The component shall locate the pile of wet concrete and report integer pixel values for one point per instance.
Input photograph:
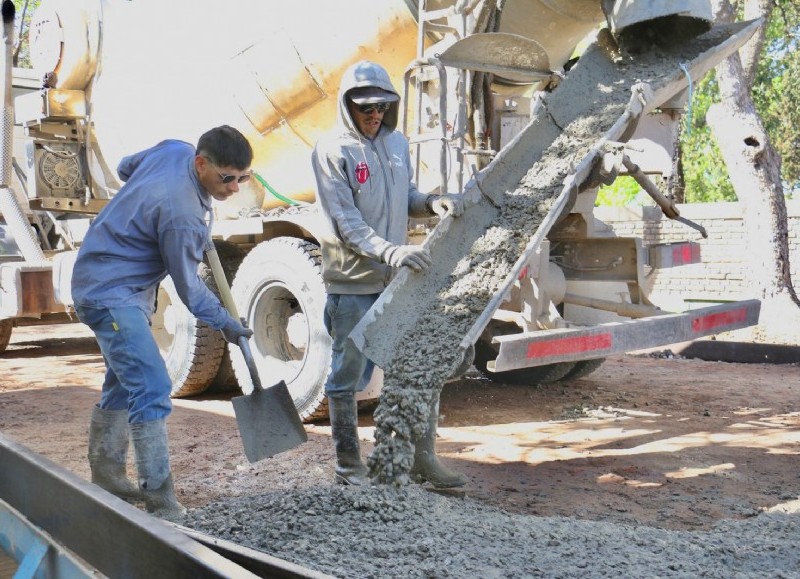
(433, 311)
(406, 531)
(383, 532)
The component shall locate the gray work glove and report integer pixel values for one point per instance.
(235, 329)
(441, 205)
(466, 363)
(413, 256)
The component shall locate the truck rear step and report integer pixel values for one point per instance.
(569, 345)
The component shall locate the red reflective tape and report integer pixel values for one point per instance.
(561, 346)
(682, 254)
(711, 321)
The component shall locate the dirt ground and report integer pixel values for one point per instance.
(664, 442)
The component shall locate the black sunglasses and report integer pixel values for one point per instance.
(367, 109)
(231, 178)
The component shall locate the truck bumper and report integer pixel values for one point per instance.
(574, 344)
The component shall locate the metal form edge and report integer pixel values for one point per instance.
(107, 533)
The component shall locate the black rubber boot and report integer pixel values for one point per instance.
(350, 470)
(427, 467)
(152, 461)
(108, 452)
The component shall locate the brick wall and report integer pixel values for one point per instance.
(721, 275)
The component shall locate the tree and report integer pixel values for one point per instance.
(24, 10)
(705, 177)
(776, 89)
(755, 170)
(701, 171)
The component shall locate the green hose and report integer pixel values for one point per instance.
(274, 193)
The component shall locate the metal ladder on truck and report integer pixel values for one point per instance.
(469, 54)
(431, 69)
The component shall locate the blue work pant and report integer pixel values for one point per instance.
(136, 375)
(351, 371)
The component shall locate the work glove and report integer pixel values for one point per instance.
(235, 329)
(414, 256)
(441, 205)
(604, 171)
(466, 363)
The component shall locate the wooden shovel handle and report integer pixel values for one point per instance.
(230, 305)
(220, 279)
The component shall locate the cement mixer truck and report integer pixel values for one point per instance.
(117, 76)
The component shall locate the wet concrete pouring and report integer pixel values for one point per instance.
(584, 107)
(651, 466)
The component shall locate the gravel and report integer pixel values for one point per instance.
(407, 531)
(470, 269)
(383, 531)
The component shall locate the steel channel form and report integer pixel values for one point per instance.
(110, 535)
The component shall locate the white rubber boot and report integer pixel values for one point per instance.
(108, 452)
(152, 461)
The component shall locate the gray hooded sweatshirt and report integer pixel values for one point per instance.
(365, 192)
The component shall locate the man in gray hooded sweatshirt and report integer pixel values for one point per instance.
(366, 194)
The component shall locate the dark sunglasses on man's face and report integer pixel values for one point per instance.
(231, 178)
(367, 109)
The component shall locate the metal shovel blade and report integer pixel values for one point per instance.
(268, 422)
(267, 418)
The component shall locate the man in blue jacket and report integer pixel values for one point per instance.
(366, 193)
(156, 225)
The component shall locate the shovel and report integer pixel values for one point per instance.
(267, 417)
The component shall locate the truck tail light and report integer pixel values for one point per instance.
(673, 254)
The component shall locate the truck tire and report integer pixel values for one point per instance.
(584, 368)
(279, 291)
(195, 353)
(6, 326)
(486, 352)
(191, 349)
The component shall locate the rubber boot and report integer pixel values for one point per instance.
(350, 470)
(152, 461)
(108, 452)
(427, 467)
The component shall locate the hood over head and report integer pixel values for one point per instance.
(371, 95)
(367, 83)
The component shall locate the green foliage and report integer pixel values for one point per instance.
(704, 172)
(623, 191)
(776, 94)
(777, 89)
(24, 9)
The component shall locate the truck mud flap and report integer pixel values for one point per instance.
(570, 345)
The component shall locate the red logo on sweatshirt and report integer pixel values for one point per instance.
(362, 172)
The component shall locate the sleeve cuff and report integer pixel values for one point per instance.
(387, 254)
(429, 204)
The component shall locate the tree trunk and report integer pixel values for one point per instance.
(751, 52)
(755, 171)
(676, 186)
